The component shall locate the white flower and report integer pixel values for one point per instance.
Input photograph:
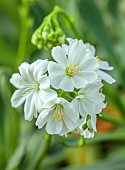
(74, 68)
(104, 66)
(87, 127)
(89, 100)
(33, 87)
(59, 117)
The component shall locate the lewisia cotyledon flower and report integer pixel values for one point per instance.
(74, 66)
(33, 87)
(89, 100)
(59, 117)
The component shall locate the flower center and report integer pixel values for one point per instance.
(72, 70)
(58, 112)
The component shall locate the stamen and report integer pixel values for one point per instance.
(31, 86)
(20, 81)
(58, 113)
(73, 69)
(98, 58)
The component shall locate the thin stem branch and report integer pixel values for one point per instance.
(24, 13)
(61, 11)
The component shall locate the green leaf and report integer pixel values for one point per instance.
(117, 135)
(93, 18)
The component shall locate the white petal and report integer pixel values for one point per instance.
(65, 47)
(55, 69)
(93, 122)
(90, 76)
(17, 81)
(44, 82)
(105, 77)
(81, 108)
(23, 69)
(100, 107)
(104, 65)
(78, 81)
(29, 108)
(64, 130)
(54, 126)
(91, 48)
(55, 81)
(38, 102)
(76, 52)
(89, 107)
(96, 97)
(40, 69)
(47, 94)
(90, 64)
(17, 99)
(59, 55)
(74, 116)
(75, 102)
(66, 84)
(42, 118)
(91, 88)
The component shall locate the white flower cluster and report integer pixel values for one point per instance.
(64, 95)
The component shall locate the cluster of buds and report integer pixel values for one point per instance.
(49, 33)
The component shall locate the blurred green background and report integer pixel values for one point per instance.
(100, 22)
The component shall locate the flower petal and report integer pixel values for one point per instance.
(78, 82)
(23, 69)
(55, 69)
(38, 102)
(60, 56)
(90, 64)
(66, 84)
(17, 81)
(17, 99)
(104, 65)
(42, 118)
(105, 77)
(29, 108)
(76, 52)
(40, 69)
(44, 82)
(54, 126)
(47, 94)
(90, 76)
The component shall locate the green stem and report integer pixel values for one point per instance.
(47, 142)
(24, 32)
(66, 95)
(61, 11)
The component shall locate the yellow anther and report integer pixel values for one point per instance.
(21, 92)
(100, 89)
(98, 58)
(70, 65)
(24, 92)
(31, 86)
(20, 81)
(75, 64)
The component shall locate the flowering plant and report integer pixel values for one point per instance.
(65, 94)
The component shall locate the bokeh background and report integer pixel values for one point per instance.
(100, 22)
